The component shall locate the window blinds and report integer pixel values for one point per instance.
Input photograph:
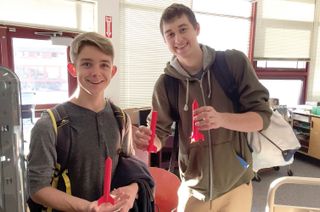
(284, 29)
(143, 53)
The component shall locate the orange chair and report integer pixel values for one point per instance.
(166, 188)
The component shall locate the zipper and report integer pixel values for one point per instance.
(210, 146)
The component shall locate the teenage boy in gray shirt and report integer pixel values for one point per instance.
(95, 136)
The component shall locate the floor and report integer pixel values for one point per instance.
(289, 194)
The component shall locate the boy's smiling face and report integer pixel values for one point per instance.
(181, 36)
(94, 70)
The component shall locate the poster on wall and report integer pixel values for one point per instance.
(108, 26)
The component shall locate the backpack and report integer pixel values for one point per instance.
(61, 124)
(268, 149)
(274, 146)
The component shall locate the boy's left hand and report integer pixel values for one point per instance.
(130, 190)
(207, 118)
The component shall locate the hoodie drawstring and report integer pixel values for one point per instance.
(186, 108)
(209, 84)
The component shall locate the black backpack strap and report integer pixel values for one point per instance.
(172, 90)
(60, 178)
(121, 118)
(225, 78)
(64, 143)
(174, 153)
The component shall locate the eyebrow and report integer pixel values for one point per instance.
(181, 25)
(85, 59)
(90, 60)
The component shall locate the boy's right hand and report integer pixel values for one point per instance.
(141, 137)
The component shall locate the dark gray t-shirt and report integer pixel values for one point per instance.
(94, 137)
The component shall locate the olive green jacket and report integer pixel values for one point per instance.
(211, 168)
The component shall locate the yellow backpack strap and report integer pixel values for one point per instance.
(53, 120)
(66, 180)
(55, 179)
(59, 119)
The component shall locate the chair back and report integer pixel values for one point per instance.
(166, 189)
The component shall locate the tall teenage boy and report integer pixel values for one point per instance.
(213, 178)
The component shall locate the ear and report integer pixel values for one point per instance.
(198, 29)
(114, 70)
(72, 70)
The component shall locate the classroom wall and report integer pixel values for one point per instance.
(111, 8)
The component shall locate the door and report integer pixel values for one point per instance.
(39, 67)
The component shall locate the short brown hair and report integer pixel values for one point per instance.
(90, 39)
(176, 11)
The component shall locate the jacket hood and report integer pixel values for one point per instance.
(175, 70)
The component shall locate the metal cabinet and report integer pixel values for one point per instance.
(12, 163)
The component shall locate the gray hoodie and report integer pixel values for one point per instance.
(211, 168)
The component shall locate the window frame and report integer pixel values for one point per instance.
(285, 74)
(274, 72)
(9, 32)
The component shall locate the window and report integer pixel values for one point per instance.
(284, 52)
(287, 91)
(42, 70)
(40, 64)
(284, 35)
(282, 64)
(285, 79)
(224, 24)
